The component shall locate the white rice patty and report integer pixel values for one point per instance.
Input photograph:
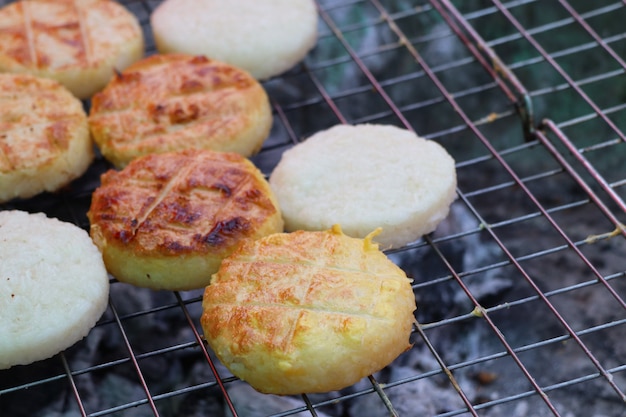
(53, 286)
(263, 37)
(363, 177)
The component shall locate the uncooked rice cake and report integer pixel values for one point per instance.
(53, 286)
(167, 220)
(307, 312)
(264, 37)
(44, 136)
(363, 177)
(171, 102)
(80, 43)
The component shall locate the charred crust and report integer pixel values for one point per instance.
(224, 230)
(200, 60)
(253, 194)
(175, 247)
(127, 77)
(107, 217)
(223, 188)
(191, 85)
(175, 114)
(124, 236)
(181, 214)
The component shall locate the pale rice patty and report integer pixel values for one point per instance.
(53, 286)
(264, 38)
(363, 177)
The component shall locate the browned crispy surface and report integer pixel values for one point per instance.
(171, 102)
(166, 221)
(179, 203)
(307, 311)
(37, 120)
(74, 41)
(44, 139)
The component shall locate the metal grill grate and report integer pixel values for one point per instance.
(529, 97)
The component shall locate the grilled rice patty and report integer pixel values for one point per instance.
(363, 177)
(80, 43)
(171, 102)
(167, 220)
(264, 38)
(307, 312)
(44, 136)
(53, 286)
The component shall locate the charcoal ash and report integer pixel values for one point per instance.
(457, 248)
(424, 388)
(150, 332)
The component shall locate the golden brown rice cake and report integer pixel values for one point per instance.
(306, 312)
(167, 220)
(44, 136)
(79, 43)
(166, 103)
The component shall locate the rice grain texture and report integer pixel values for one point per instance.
(53, 286)
(364, 177)
(264, 37)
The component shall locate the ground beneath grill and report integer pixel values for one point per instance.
(560, 361)
(416, 384)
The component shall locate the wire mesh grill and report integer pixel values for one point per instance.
(528, 97)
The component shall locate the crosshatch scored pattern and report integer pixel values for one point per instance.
(520, 292)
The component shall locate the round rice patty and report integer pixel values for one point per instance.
(171, 102)
(364, 177)
(53, 286)
(306, 312)
(264, 38)
(80, 43)
(167, 220)
(44, 136)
